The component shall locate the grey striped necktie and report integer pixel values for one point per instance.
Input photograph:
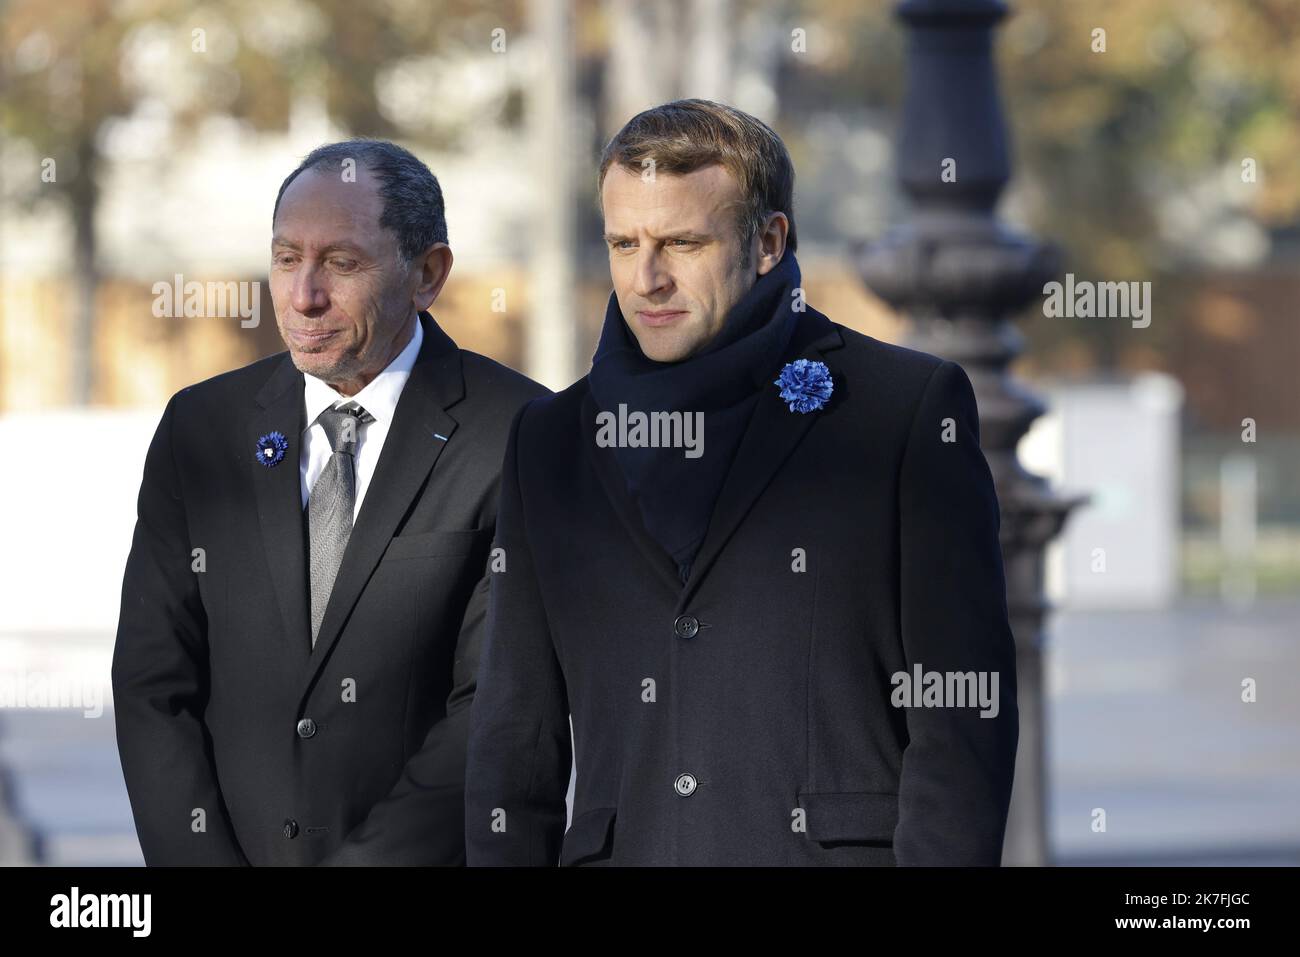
(329, 509)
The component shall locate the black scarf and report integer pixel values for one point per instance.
(676, 494)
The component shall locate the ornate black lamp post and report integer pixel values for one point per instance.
(959, 274)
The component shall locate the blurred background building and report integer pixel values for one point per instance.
(146, 139)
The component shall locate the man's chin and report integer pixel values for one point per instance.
(664, 345)
(322, 365)
(669, 350)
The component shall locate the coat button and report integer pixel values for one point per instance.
(684, 785)
(290, 828)
(687, 626)
(306, 728)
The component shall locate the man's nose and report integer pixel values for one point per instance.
(310, 293)
(651, 276)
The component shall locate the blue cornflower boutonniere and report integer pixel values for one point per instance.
(271, 449)
(805, 385)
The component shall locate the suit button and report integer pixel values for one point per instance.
(684, 785)
(290, 828)
(306, 728)
(687, 626)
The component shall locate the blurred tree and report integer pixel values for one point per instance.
(68, 69)
(1131, 158)
(60, 81)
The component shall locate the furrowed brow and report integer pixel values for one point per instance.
(343, 246)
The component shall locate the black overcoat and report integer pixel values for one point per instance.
(745, 717)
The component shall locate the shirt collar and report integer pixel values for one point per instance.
(380, 395)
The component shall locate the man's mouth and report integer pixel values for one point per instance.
(312, 337)
(660, 317)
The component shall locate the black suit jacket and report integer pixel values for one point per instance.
(745, 717)
(240, 744)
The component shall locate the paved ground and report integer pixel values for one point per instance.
(1146, 722)
(66, 787)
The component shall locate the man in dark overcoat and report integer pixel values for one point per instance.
(749, 580)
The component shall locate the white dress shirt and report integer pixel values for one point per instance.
(379, 398)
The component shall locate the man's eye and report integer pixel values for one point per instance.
(624, 244)
(284, 259)
(343, 265)
(681, 242)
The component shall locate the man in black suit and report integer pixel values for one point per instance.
(753, 555)
(304, 601)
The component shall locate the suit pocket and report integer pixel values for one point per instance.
(590, 838)
(437, 544)
(850, 816)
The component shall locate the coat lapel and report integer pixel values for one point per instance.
(611, 477)
(420, 431)
(279, 500)
(771, 436)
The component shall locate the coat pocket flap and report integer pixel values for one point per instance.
(588, 836)
(850, 815)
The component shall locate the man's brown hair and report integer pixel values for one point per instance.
(686, 135)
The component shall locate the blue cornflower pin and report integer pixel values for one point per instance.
(271, 448)
(805, 385)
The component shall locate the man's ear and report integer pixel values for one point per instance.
(435, 266)
(771, 242)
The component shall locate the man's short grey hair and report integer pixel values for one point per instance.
(413, 209)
